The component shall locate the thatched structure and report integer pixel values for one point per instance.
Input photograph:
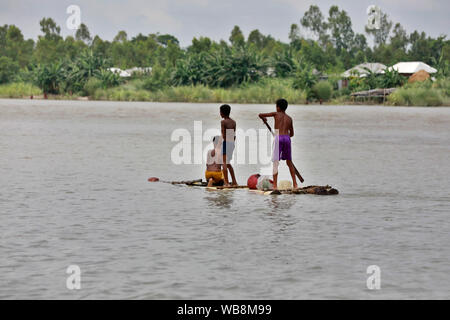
(419, 76)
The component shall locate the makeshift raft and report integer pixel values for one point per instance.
(315, 190)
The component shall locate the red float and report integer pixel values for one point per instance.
(253, 181)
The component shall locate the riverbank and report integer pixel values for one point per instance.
(425, 94)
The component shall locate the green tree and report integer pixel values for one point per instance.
(50, 46)
(294, 36)
(50, 30)
(399, 39)
(49, 77)
(83, 34)
(256, 39)
(313, 20)
(202, 44)
(305, 77)
(164, 39)
(14, 46)
(121, 37)
(237, 37)
(340, 25)
(8, 69)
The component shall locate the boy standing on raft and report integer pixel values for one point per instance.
(228, 129)
(284, 131)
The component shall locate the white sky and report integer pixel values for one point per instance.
(214, 18)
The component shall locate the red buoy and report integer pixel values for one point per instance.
(252, 182)
(153, 179)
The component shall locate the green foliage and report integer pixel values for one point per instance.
(358, 84)
(190, 71)
(304, 78)
(49, 77)
(323, 90)
(18, 90)
(425, 93)
(224, 69)
(442, 84)
(157, 80)
(416, 97)
(92, 85)
(267, 91)
(284, 64)
(443, 63)
(8, 69)
(102, 79)
(78, 64)
(107, 78)
(391, 79)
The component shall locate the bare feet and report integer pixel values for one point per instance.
(210, 182)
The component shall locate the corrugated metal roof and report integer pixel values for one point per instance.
(412, 67)
(360, 69)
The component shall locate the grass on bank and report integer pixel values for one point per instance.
(266, 91)
(425, 94)
(19, 90)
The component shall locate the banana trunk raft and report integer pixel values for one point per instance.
(316, 190)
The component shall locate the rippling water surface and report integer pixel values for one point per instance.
(74, 190)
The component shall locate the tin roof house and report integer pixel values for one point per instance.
(409, 68)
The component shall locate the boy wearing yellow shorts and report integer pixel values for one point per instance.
(214, 174)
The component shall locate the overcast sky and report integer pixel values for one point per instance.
(214, 18)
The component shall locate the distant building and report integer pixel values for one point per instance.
(120, 72)
(409, 68)
(139, 70)
(129, 72)
(360, 71)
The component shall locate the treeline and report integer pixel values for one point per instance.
(319, 43)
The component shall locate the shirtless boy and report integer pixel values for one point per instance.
(228, 128)
(284, 131)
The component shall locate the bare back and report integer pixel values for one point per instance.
(227, 125)
(283, 123)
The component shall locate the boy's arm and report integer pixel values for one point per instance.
(264, 116)
(291, 129)
(222, 129)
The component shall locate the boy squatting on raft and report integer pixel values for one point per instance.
(284, 131)
(214, 174)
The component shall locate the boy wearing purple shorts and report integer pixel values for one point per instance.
(284, 131)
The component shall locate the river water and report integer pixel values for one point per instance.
(74, 191)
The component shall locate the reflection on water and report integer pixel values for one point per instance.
(219, 199)
(281, 203)
(74, 191)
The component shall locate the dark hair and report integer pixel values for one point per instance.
(282, 104)
(225, 110)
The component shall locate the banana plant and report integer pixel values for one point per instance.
(49, 77)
